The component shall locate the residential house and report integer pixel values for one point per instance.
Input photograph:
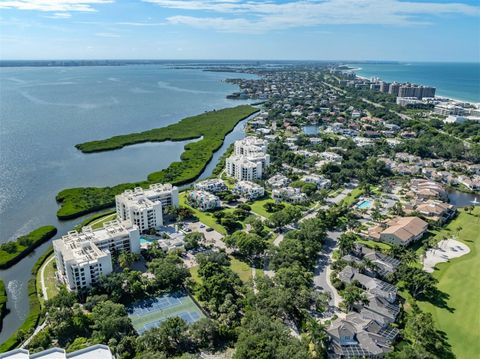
(399, 231)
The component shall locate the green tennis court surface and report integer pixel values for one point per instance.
(149, 313)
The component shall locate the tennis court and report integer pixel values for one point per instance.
(150, 313)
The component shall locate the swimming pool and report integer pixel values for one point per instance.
(365, 204)
(146, 240)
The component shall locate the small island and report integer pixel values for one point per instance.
(211, 127)
(13, 251)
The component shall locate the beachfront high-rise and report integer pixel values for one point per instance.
(82, 257)
(144, 208)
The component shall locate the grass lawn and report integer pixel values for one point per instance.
(375, 245)
(204, 217)
(459, 278)
(352, 197)
(257, 207)
(99, 222)
(243, 270)
(50, 281)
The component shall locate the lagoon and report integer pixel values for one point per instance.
(46, 111)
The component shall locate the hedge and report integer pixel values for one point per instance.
(3, 303)
(211, 127)
(35, 313)
(13, 251)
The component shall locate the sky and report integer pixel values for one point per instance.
(402, 30)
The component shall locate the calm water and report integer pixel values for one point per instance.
(44, 112)
(461, 199)
(455, 80)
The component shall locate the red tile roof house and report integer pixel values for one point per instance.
(399, 231)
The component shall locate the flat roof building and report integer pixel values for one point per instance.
(82, 257)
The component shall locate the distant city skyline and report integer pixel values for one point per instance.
(344, 30)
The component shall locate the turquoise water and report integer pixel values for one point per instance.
(366, 204)
(455, 80)
(144, 240)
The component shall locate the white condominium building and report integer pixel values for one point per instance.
(243, 169)
(144, 208)
(250, 159)
(320, 181)
(213, 185)
(289, 194)
(250, 146)
(249, 190)
(203, 200)
(83, 256)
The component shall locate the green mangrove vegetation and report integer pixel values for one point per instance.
(12, 252)
(35, 313)
(3, 303)
(211, 127)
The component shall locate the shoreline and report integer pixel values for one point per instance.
(454, 99)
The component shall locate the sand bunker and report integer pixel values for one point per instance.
(445, 250)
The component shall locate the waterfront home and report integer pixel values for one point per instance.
(248, 190)
(213, 185)
(399, 231)
(472, 183)
(425, 189)
(203, 200)
(435, 211)
(82, 257)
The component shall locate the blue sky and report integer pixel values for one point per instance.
(405, 30)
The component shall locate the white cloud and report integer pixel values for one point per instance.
(261, 16)
(107, 34)
(52, 5)
(59, 15)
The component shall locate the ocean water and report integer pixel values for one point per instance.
(454, 80)
(45, 111)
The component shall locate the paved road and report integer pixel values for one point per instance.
(322, 270)
(42, 277)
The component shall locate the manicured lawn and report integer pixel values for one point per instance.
(50, 281)
(257, 207)
(352, 197)
(375, 245)
(459, 279)
(99, 222)
(204, 217)
(243, 270)
(194, 273)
